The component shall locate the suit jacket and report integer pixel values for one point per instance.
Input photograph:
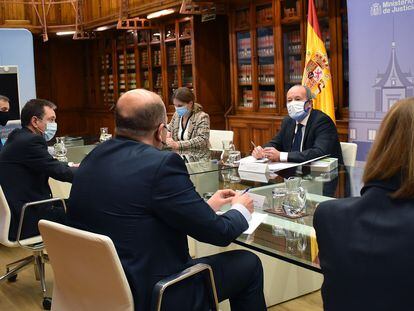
(198, 130)
(25, 168)
(320, 138)
(365, 250)
(143, 199)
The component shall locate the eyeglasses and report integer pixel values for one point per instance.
(166, 127)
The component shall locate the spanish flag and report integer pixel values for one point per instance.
(317, 75)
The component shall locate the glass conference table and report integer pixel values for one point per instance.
(290, 239)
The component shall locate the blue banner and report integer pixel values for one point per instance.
(381, 64)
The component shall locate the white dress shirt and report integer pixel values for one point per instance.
(284, 155)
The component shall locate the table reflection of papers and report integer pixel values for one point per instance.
(264, 178)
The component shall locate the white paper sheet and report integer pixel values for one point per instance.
(278, 166)
(257, 219)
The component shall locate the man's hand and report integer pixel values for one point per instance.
(258, 152)
(272, 154)
(220, 198)
(244, 200)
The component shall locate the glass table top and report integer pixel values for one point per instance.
(289, 239)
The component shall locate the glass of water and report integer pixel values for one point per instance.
(278, 197)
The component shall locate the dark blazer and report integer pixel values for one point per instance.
(143, 199)
(320, 138)
(25, 168)
(366, 250)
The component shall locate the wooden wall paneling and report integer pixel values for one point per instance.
(67, 13)
(14, 11)
(210, 68)
(61, 78)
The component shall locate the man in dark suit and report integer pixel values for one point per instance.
(26, 165)
(306, 134)
(143, 199)
(4, 113)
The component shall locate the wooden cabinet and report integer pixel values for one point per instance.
(173, 53)
(267, 51)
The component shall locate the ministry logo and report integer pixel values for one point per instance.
(376, 9)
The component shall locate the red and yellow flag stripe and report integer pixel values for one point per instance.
(317, 74)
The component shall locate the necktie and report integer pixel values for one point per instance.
(298, 138)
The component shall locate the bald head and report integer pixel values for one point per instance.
(299, 92)
(138, 112)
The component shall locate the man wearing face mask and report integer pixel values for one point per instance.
(4, 112)
(306, 134)
(26, 165)
(143, 199)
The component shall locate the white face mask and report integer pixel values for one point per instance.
(296, 110)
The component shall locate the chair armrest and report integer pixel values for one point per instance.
(19, 229)
(162, 285)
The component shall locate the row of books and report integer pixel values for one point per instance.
(267, 99)
(295, 48)
(295, 70)
(247, 98)
(144, 58)
(266, 74)
(245, 73)
(157, 58)
(186, 54)
(172, 55)
(244, 49)
(158, 81)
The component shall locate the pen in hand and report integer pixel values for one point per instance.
(254, 146)
(245, 191)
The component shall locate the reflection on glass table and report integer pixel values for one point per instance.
(281, 235)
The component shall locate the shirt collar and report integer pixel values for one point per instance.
(305, 120)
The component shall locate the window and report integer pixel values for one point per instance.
(372, 134)
(352, 133)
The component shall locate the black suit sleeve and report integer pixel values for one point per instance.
(41, 161)
(277, 141)
(176, 202)
(325, 136)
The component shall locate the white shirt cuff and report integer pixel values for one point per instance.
(284, 156)
(243, 210)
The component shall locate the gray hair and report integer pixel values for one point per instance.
(6, 99)
(309, 94)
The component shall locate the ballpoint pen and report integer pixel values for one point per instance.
(245, 190)
(253, 144)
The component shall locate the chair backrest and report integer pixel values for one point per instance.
(60, 189)
(349, 152)
(5, 217)
(87, 271)
(217, 136)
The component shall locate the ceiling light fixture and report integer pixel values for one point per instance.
(65, 33)
(160, 13)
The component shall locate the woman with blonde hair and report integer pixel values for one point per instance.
(189, 126)
(366, 247)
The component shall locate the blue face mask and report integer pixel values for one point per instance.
(50, 131)
(181, 111)
(296, 110)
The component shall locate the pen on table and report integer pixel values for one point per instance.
(245, 190)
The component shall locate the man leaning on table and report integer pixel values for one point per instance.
(305, 134)
(143, 199)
